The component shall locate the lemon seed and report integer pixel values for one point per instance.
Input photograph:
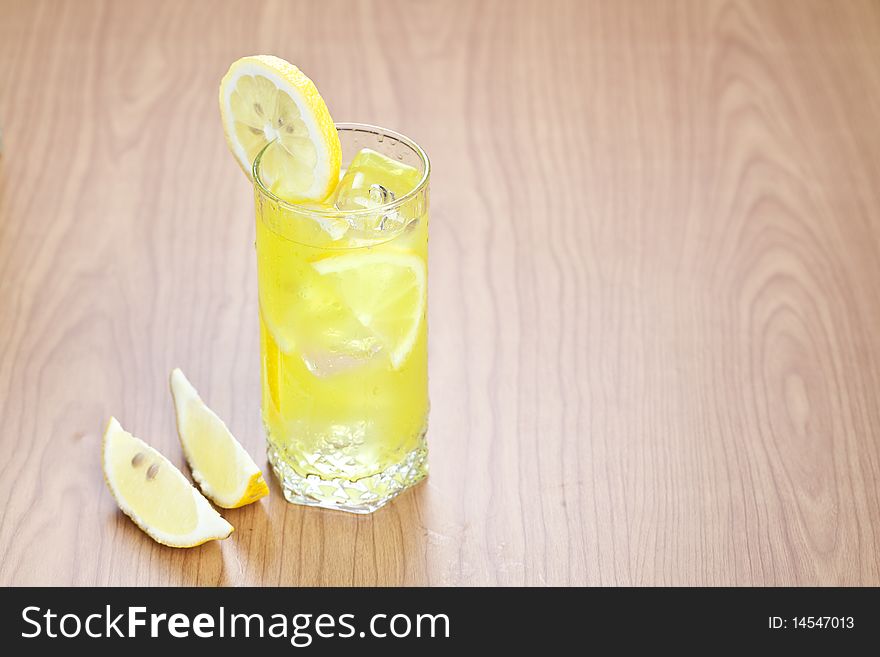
(137, 459)
(153, 471)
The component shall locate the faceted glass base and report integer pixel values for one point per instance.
(362, 496)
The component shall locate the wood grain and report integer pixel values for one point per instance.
(655, 255)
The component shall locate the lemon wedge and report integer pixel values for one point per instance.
(264, 99)
(155, 494)
(386, 292)
(223, 469)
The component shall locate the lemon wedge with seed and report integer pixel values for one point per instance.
(155, 494)
(265, 99)
(223, 469)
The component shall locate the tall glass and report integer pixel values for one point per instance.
(343, 334)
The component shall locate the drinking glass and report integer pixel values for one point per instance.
(343, 333)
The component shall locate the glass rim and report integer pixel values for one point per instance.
(363, 127)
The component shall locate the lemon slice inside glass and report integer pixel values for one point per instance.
(386, 291)
(223, 469)
(155, 494)
(265, 99)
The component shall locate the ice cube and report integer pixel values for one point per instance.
(324, 363)
(335, 226)
(373, 180)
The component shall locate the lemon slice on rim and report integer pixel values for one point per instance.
(223, 469)
(155, 494)
(386, 291)
(265, 99)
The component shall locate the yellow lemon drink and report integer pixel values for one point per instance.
(343, 323)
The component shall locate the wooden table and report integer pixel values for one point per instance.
(655, 286)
